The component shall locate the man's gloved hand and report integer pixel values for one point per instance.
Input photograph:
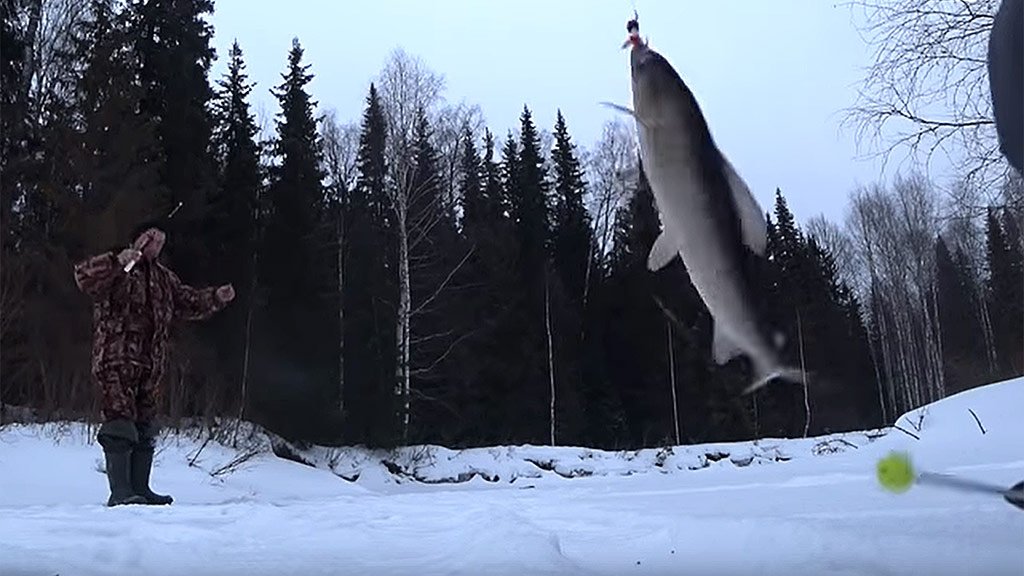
(226, 293)
(128, 255)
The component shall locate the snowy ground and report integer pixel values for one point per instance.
(781, 507)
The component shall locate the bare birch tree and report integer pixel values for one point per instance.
(51, 28)
(927, 89)
(341, 148)
(450, 124)
(611, 170)
(892, 233)
(407, 88)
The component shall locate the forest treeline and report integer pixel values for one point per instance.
(411, 276)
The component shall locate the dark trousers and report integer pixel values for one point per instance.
(129, 397)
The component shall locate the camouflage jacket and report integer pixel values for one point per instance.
(132, 312)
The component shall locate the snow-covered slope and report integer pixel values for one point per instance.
(768, 507)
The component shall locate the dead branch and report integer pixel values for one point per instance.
(444, 283)
(907, 432)
(976, 419)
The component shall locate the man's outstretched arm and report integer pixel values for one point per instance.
(195, 303)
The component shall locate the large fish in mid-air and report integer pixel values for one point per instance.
(708, 214)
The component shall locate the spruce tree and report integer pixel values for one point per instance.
(572, 286)
(488, 361)
(572, 234)
(172, 39)
(293, 258)
(370, 295)
(472, 191)
(111, 155)
(962, 350)
(13, 110)
(530, 207)
(234, 208)
(1004, 294)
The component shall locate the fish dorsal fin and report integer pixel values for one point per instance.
(752, 223)
(664, 250)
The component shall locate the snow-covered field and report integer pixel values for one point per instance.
(783, 507)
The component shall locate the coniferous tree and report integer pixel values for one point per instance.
(295, 258)
(172, 40)
(13, 111)
(962, 350)
(1004, 295)
(532, 224)
(818, 316)
(114, 156)
(572, 234)
(632, 319)
(530, 208)
(234, 210)
(573, 258)
(472, 191)
(781, 410)
(370, 303)
(487, 362)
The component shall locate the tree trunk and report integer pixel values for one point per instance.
(757, 426)
(551, 357)
(672, 378)
(986, 327)
(340, 233)
(803, 368)
(937, 351)
(402, 333)
(248, 340)
(35, 17)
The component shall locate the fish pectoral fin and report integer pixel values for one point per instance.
(753, 225)
(663, 251)
(722, 347)
(624, 110)
(620, 108)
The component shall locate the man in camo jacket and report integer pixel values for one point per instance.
(135, 299)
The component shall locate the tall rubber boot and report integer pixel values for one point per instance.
(142, 464)
(117, 438)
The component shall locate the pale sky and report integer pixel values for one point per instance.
(772, 77)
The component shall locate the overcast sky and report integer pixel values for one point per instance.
(771, 77)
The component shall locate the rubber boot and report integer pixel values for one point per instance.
(142, 464)
(118, 475)
(117, 438)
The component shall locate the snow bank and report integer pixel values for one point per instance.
(509, 464)
(966, 430)
(969, 428)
